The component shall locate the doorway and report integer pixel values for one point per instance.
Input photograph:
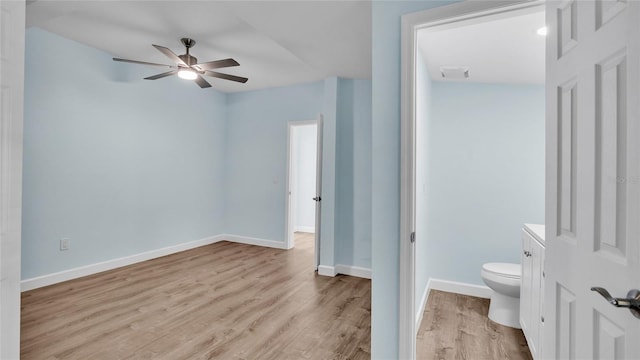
(303, 174)
(439, 19)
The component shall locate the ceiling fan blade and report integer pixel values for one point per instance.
(165, 74)
(226, 76)
(218, 64)
(140, 62)
(171, 55)
(202, 82)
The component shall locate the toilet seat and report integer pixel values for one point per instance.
(505, 270)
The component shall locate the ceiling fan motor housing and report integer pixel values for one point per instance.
(188, 59)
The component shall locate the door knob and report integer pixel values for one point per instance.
(631, 302)
(317, 198)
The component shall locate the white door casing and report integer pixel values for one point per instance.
(12, 32)
(291, 184)
(592, 179)
(292, 193)
(436, 18)
(290, 206)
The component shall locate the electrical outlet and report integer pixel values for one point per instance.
(64, 244)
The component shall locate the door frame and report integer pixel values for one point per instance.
(12, 39)
(290, 183)
(440, 17)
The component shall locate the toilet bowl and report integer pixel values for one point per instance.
(504, 280)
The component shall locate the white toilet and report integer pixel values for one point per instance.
(504, 280)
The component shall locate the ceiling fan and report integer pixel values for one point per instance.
(187, 67)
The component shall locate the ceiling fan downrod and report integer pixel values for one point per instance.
(187, 58)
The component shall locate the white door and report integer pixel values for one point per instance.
(12, 24)
(318, 197)
(593, 178)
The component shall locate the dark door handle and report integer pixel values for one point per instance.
(317, 198)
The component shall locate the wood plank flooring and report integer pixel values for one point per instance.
(457, 327)
(221, 301)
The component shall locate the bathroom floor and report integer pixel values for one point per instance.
(457, 327)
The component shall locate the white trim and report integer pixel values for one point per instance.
(254, 241)
(326, 270)
(406, 297)
(356, 271)
(86, 270)
(422, 304)
(411, 23)
(12, 57)
(70, 274)
(460, 288)
(305, 229)
(452, 287)
(289, 191)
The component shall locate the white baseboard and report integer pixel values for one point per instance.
(305, 229)
(353, 271)
(254, 241)
(460, 288)
(54, 278)
(326, 270)
(422, 304)
(357, 271)
(452, 287)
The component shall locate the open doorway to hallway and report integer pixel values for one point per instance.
(303, 175)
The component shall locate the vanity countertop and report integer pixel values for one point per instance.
(536, 230)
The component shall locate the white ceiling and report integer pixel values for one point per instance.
(277, 43)
(502, 50)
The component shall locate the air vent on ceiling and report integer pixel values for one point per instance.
(454, 72)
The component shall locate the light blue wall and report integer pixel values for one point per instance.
(344, 166)
(362, 173)
(255, 168)
(385, 190)
(256, 148)
(353, 164)
(485, 174)
(119, 167)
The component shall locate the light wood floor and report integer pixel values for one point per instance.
(222, 301)
(457, 327)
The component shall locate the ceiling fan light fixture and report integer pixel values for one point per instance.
(187, 74)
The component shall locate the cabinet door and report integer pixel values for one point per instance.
(536, 296)
(541, 304)
(525, 284)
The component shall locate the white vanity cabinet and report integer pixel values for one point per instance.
(532, 286)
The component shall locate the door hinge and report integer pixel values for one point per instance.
(413, 237)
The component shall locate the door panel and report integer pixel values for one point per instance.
(611, 149)
(320, 126)
(593, 178)
(12, 25)
(567, 120)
